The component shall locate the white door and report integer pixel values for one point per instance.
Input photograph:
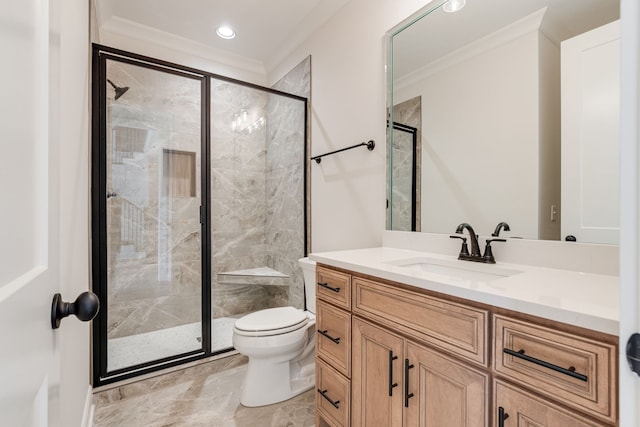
(629, 391)
(29, 263)
(590, 134)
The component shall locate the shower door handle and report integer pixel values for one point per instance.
(85, 308)
(111, 194)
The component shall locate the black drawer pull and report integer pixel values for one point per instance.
(571, 371)
(407, 395)
(325, 334)
(391, 383)
(502, 416)
(335, 404)
(326, 286)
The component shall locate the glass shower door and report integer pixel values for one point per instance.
(152, 165)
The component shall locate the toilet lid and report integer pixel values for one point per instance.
(272, 321)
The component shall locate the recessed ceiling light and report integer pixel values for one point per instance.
(225, 32)
(453, 5)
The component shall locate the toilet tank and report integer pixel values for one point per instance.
(309, 273)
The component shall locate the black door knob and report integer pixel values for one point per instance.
(633, 353)
(85, 308)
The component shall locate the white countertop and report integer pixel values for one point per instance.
(582, 299)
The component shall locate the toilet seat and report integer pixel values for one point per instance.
(272, 321)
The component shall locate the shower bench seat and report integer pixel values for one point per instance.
(257, 276)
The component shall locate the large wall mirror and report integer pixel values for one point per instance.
(514, 106)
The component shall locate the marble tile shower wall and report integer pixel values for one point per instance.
(153, 239)
(257, 186)
(238, 200)
(258, 193)
(285, 178)
(408, 113)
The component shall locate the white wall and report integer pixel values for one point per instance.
(348, 107)
(483, 127)
(74, 206)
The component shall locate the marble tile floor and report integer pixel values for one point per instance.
(206, 395)
(134, 349)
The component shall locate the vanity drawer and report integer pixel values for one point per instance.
(577, 371)
(334, 287)
(333, 340)
(453, 327)
(333, 395)
(523, 408)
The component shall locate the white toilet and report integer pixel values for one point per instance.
(280, 344)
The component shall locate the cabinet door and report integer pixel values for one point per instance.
(445, 392)
(518, 408)
(376, 380)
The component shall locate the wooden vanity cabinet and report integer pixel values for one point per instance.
(333, 348)
(571, 368)
(418, 358)
(398, 382)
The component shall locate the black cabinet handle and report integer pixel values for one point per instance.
(570, 372)
(502, 416)
(326, 286)
(323, 393)
(407, 395)
(325, 334)
(85, 308)
(391, 383)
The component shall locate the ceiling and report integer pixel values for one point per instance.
(264, 28)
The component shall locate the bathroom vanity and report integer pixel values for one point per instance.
(410, 338)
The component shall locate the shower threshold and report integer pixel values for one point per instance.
(140, 348)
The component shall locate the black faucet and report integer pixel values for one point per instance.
(475, 248)
(501, 226)
(488, 253)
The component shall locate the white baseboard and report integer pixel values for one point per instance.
(87, 414)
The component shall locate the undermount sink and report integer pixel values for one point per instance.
(456, 269)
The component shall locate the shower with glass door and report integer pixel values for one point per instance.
(198, 209)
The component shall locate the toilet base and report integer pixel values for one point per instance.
(268, 383)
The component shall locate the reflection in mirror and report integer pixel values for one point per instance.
(403, 214)
(518, 106)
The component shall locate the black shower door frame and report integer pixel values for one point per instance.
(100, 55)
